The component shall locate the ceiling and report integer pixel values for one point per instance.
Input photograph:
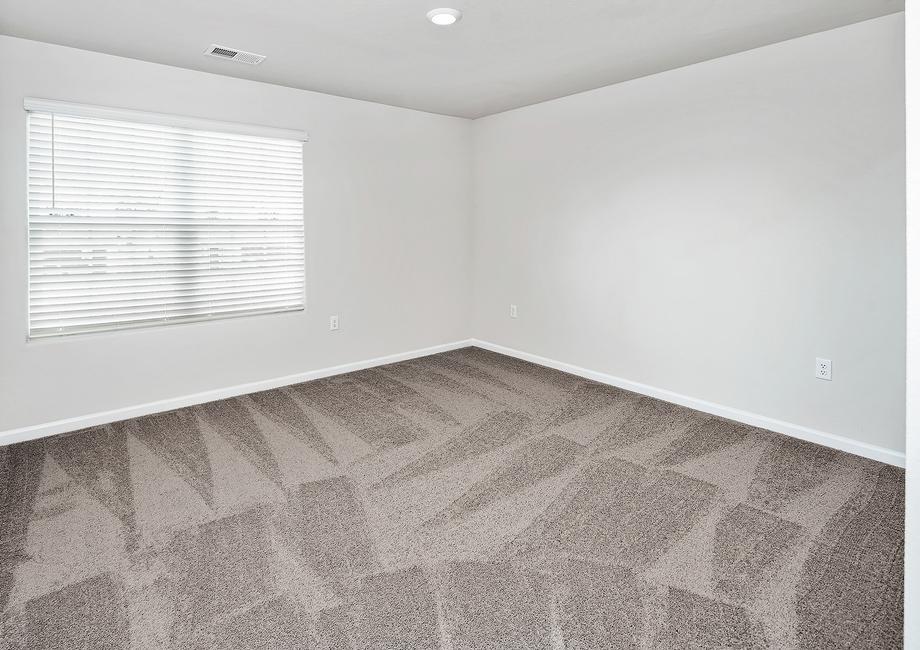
(503, 54)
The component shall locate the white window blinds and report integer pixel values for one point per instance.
(135, 223)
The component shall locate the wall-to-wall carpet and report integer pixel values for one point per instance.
(462, 500)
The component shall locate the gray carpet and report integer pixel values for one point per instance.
(463, 500)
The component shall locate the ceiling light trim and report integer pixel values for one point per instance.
(444, 16)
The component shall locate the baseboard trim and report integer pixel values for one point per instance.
(104, 417)
(842, 443)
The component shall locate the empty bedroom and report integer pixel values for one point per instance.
(341, 324)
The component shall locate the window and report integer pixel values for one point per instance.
(138, 219)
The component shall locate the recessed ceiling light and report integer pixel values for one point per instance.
(444, 16)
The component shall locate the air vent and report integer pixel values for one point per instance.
(222, 52)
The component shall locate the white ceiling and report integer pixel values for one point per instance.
(503, 53)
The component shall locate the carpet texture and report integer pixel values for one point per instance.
(462, 500)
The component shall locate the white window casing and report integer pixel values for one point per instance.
(138, 219)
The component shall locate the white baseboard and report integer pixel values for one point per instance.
(882, 454)
(94, 419)
(867, 450)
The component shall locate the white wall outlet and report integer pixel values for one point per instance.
(513, 311)
(824, 369)
(334, 323)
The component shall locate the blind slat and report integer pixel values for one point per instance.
(158, 314)
(155, 278)
(187, 299)
(134, 224)
(46, 297)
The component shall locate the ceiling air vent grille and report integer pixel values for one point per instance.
(222, 52)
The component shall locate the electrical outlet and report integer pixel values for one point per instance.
(513, 311)
(334, 323)
(824, 369)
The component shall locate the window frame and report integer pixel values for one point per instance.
(69, 109)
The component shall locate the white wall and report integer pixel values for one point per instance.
(708, 231)
(387, 222)
(912, 527)
(712, 229)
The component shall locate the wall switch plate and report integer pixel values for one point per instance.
(513, 311)
(824, 369)
(334, 323)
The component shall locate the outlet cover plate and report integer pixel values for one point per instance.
(824, 369)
